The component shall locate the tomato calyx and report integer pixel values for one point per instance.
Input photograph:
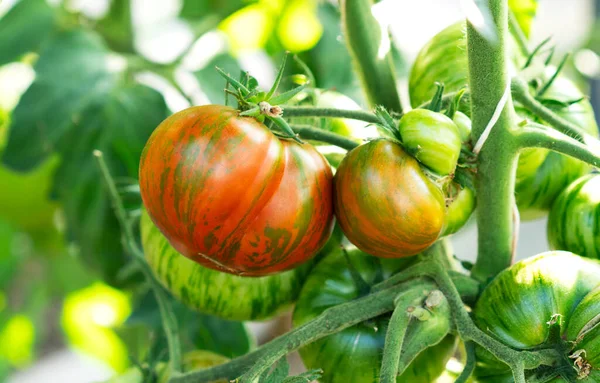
(260, 105)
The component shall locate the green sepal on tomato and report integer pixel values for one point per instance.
(574, 220)
(355, 354)
(517, 306)
(230, 195)
(384, 202)
(217, 293)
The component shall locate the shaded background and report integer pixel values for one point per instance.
(58, 321)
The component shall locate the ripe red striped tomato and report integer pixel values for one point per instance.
(384, 202)
(228, 194)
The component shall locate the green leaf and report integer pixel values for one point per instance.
(198, 331)
(524, 11)
(116, 26)
(198, 9)
(81, 100)
(9, 256)
(24, 28)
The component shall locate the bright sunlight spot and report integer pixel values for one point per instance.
(17, 339)
(299, 28)
(89, 315)
(249, 28)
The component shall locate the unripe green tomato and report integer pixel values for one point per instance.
(432, 138)
(574, 219)
(355, 354)
(517, 305)
(459, 211)
(463, 122)
(443, 59)
(236, 298)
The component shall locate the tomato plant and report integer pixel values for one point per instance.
(236, 198)
(261, 224)
(239, 298)
(390, 226)
(574, 218)
(354, 354)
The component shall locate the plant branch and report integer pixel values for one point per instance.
(469, 364)
(310, 133)
(307, 111)
(396, 332)
(540, 136)
(521, 94)
(169, 320)
(332, 320)
(497, 160)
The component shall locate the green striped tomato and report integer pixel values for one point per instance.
(354, 354)
(213, 292)
(230, 195)
(384, 203)
(574, 221)
(432, 138)
(517, 305)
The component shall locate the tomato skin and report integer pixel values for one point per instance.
(584, 329)
(236, 298)
(574, 220)
(384, 203)
(355, 354)
(442, 59)
(527, 295)
(230, 195)
(463, 122)
(459, 211)
(432, 138)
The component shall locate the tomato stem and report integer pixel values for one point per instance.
(394, 337)
(371, 49)
(521, 94)
(308, 111)
(169, 321)
(540, 136)
(497, 160)
(465, 376)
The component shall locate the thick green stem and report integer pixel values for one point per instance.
(310, 133)
(540, 136)
(497, 160)
(370, 46)
(309, 111)
(169, 321)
